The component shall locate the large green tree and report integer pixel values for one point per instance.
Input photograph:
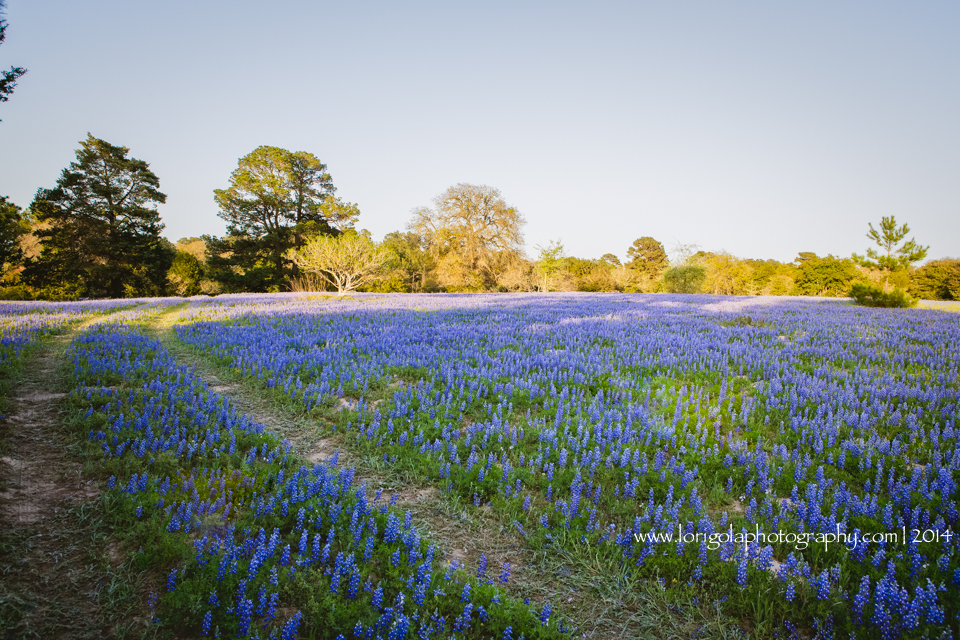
(102, 235)
(275, 200)
(826, 276)
(185, 274)
(647, 256)
(549, 262)
(8, 79)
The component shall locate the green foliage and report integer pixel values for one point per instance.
(684, 279)
(771, 276)
(185, 274)
(893, 256)
(610, 260)
(12, 228)
(408, 262)
(647, 256)
(276, 200)
(102, 229)
(936, 280)
(868, 296)
(194, 246)
(473, 234)
(827, 276)
(727, 274)
(549, 263)
(8, 79)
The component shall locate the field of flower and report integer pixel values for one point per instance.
(792, 462)
(795, 459)
(23, 323)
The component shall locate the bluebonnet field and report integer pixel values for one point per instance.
(23, 323)
(253, 543)
(614, 421)
(595, 424)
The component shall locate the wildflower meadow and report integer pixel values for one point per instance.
(790, 463)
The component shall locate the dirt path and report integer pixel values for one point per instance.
(55, 581)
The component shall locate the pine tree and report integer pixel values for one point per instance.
(103, 238)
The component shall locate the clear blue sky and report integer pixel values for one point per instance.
(762, 128)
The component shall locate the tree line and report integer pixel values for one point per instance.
(97, 233)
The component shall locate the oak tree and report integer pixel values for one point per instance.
(276, 199)
(474, 228)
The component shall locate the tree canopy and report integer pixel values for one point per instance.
(936, 280)
(647, 256)
(549, 263)
(826, 276)
(100, 229)
(185, 274)
(686, 278)
(893, 256)
(473, 232)
(275, 200)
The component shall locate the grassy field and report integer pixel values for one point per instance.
(498, 466)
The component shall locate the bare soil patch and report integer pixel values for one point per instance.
(323, 449)
(53, 577)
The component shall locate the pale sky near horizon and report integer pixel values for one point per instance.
(760, 128)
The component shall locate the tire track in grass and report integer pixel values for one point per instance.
(601, 598)
(61, 573)
(155, 371)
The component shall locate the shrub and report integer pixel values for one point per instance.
(185, 274)
(937, 280)
(868, 296)
(684, 279)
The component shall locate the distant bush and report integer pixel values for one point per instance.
(868, 296)
(684, 279)
(936, 280)
(185, 274)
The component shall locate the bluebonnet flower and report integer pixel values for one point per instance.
(289, 631)
(244, 617)
(742, 572)
(790, 592)
(544, 616)
(205, 625)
